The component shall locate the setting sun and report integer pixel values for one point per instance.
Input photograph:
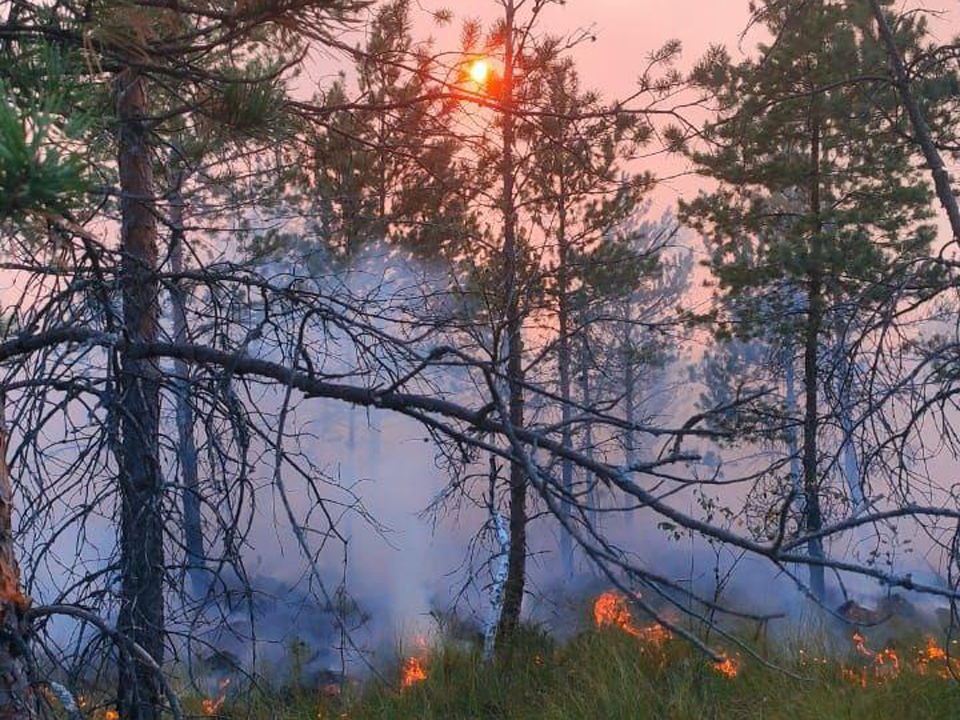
(479, 71)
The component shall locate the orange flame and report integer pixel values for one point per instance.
(859, 645)
(933, 651)
(729, 667)
(935, 656)
(112, 715)
(212, 706)
(886, 663)
(413, 672)
(610, 610)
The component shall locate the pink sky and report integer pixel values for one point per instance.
(627, 30)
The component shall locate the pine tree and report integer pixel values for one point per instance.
(220, 71)
(392, 169)
(582, 198)
(39, 185)
(818, 197)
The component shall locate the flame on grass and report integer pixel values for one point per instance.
(414, 669)
(413, 672)
(611, 610)
(933, 659)
(884, 665)
(212, 706)
(729, 667)
(930, 659)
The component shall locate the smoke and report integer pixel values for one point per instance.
(388, 569)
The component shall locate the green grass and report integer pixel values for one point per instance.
(609, 675)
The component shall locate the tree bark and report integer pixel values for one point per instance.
(563, 367)
(186, 443)
(517, 559)
(811, 377)
(629, 387)
(850, 463)
(141, 615)
(792, 444)
(17, 700)
(586, 399)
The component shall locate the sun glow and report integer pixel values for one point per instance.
(479, 71)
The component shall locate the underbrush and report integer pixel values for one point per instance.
(609, 674)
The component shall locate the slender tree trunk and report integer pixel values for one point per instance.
(17, 701)
(500, 561)
(629, 388)
(517, 559)
(811, 377)
(186, 442)
(792, 444)
(141, 616)
(586, 398)
(563, 363)
(850, 463)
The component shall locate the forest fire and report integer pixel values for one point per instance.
(412, 673)
(610, 610)
(323, 322)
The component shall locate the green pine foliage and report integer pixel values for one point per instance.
(761, 232)
(35, 177)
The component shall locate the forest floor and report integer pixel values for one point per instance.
(611, 673)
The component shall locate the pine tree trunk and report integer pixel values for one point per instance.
(586, 398)
(850, 464)
(811, 377)
(517, 559)
(563, 367)
(629, 388)
(141, 615)
(186, 442)
(17, 701)
(792, 444)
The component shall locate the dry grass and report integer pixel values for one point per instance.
(608, 674)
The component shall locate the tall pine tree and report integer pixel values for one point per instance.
(818, 198)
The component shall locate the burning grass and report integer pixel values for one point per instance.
(620, 670)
